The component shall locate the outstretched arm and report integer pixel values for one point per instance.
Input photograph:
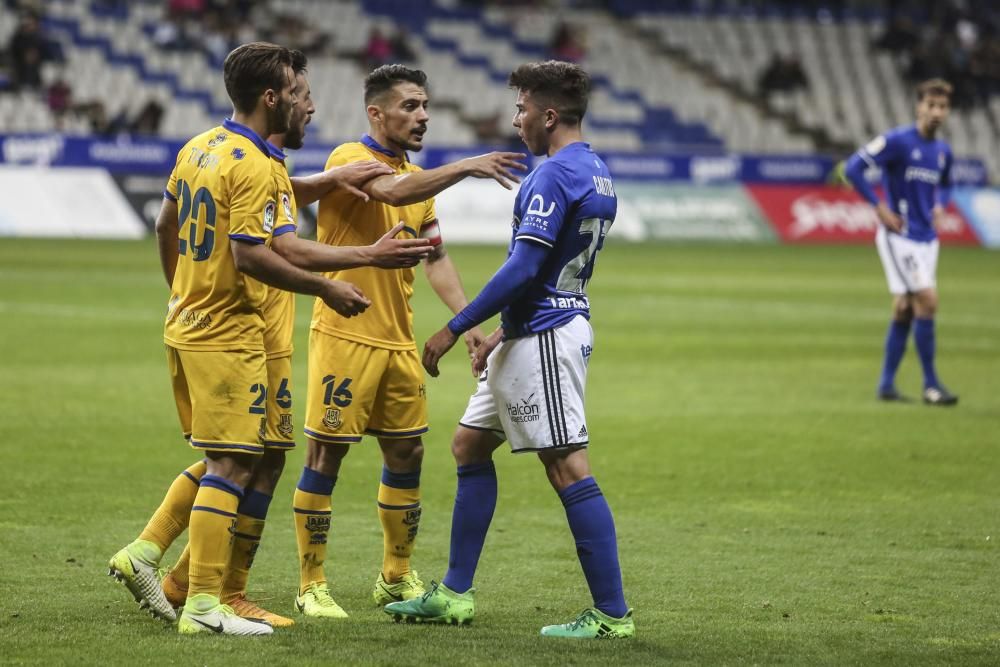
(260, 262)
(351, 177)
(387, 253)
(503, 288)
(414, 187)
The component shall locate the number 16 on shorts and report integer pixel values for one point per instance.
(335, 394)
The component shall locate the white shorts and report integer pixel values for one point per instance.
(532, 391)
(910, 266)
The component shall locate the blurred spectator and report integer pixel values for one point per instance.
(27, 49)
(147, 121)
(900, 36)
(402, 51)
(566, 44)
(782, 74)
(59, 97)
(378, 50)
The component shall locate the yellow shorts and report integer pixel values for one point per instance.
(221, 397)
(277, 431)
(357, 389)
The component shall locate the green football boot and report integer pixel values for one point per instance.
(438, 605)
(408, 587)
(135, 566)
(593, 624)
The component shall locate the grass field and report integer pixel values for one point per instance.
(769, 510)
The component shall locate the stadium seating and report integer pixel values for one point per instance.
(663, 79)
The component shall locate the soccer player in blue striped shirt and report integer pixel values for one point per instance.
(532, 393)
(916, 177)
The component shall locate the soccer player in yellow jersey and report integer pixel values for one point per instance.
(214, 233)
(365, 377)
(279, 320)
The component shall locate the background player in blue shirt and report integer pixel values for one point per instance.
(532, 392)
(916, 169)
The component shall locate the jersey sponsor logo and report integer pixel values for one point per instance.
(922, 174)
(524, 411)
(569, 302)
(269, 212)
(194, 318)
(875, 146)
(536, 206)
(286, 204)
(238, 153)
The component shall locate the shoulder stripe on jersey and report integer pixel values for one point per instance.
(284, 229)
(554, 360)
(863, 154)
(529, 237)
(247, 238)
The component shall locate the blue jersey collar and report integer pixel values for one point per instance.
(275, 152)
(367, 140)
(245, 131)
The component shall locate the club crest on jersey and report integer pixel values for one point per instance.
(217, 139)
(916, 154)
(875, 146)
(269, 211)
(286, 203)
(285, 425)
(238, 154)
(332, 418)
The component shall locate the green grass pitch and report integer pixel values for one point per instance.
(769, 510)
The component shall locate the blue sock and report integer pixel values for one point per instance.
(895, 346)
(923, 336)
(475, 501)
(255, 504)
(593, 529)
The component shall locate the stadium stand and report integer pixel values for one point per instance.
(668, 75)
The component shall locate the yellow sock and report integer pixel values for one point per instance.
(212, 519)
(180, 570)
(246, 539)
(399, 512)
(311, 509)
(171, 517)
(250, 521)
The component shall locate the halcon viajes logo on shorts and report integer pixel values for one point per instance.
(524, 410)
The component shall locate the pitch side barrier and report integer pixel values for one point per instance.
(738, 198)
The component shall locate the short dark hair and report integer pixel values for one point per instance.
(557, 85)
(934, 87)
(382, 79)
(252, 68)
(299, 61)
